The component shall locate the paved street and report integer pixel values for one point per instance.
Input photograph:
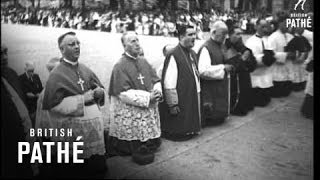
(270, 143)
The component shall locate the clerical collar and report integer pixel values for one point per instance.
(258, 36)
(129, 55)
(70, 62)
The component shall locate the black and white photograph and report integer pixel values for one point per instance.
(157, 89)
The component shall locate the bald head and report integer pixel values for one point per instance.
(219, 31)
(29, 67)
(52, 63)
(131, 43)
(218, 25)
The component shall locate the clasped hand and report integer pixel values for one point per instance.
(96, 93)
(155, 96)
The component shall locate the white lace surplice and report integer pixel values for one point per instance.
(132, 117)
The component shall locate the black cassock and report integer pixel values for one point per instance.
(187, 122)
(241, 88)
(34, 86)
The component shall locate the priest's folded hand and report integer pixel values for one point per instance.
(155, 96)
(174, 110)
(98, 93)
(228, 68)
(245, 55)
(158, 95)
(88, 96)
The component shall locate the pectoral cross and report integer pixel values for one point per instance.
(141, 78)
(81, 82)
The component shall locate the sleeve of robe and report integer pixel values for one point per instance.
(170, 83)
(281, 57)
(135, 97)
(256, 51)
(53, 94)
(208, 71)
(71, 106)
(138, 97)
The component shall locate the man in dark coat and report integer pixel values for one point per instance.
(244, 62)
(215, 75)
(31, 86)
(180, 111)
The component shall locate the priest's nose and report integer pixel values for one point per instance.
(77, 46)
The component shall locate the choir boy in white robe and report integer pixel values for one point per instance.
(282, 69)
(261, 77)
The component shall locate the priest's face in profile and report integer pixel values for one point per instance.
(220, 34)
(189, 38)
(131, 44)
(70, 48)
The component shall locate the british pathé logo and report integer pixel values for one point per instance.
(300, 2)
(298, 19)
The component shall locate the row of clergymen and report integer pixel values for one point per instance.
(190, 90)
(194, 90)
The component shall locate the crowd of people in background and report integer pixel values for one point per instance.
(155, 22)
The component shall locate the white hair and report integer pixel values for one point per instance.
(218, 25)
(29, 63)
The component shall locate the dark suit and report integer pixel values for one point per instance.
(31, 86)
(12, 129)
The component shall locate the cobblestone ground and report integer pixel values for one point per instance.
(273, 142)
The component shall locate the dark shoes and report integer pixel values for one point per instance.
(177, 137)
(143, 155)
